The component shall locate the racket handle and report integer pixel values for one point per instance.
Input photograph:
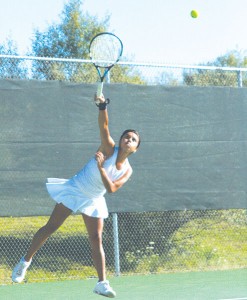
(100, 89)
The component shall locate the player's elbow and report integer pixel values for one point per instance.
(112, 189)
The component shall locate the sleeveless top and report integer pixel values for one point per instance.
(89, 178)
(85, 191)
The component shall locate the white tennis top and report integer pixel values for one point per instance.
(85, 191)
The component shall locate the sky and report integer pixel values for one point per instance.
(157, 31)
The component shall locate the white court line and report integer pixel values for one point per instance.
(235, 299)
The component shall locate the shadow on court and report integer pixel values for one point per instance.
(180, 286)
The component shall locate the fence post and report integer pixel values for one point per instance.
(116, 244)
(240, 78)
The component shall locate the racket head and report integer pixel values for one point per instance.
(105, 49)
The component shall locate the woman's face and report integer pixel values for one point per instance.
(129, 142)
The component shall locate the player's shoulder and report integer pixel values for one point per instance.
(107, 150)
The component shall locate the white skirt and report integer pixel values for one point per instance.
(67, 192)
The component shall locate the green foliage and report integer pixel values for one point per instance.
(211, 78)
(9, 225)
(212, 242)
(218, 77)
(182, 241)
(66, 255)
(215, 246)
(126, 75)
(149, 243)
(68, 39)
(9, 47)
(11, 68)
(137, 235)
(233, 58)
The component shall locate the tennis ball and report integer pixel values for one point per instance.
(194, 13)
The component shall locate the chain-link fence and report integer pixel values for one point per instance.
(76, 70)
(141, 243)
(153, 242)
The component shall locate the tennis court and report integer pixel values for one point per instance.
(215, 285)
(175, 221)
(193, 201)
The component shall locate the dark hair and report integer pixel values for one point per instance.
(132, 130)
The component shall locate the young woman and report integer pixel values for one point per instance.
(107, 171)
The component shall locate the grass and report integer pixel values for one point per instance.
(66, 255)
(197, 246)
(201, 244)
(213, 246)
(9, 225)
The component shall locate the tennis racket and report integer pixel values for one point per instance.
(105, 51)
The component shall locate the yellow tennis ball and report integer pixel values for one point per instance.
(194, 13)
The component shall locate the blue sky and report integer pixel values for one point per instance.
(159, 31)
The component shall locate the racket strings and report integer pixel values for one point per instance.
(105, 50)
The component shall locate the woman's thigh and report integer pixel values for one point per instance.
(58, 216)
(94, 226)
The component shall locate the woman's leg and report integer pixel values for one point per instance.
(95, 229)
(58, 216)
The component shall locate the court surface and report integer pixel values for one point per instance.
(215, 285)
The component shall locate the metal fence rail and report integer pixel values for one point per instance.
(81, 70)
(134, 242)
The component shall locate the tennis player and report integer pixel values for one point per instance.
(107, 171)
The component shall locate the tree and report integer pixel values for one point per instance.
(70, 39)
(126, 75)
(219, 77)
(9, 67)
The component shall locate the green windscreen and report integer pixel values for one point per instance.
(192, 155)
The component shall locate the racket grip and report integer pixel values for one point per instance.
(100, 89)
